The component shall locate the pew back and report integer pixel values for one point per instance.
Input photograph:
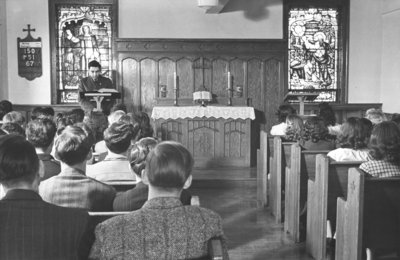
(368, 216)
(277, 176)
(262, 169)
(302, 167)
(329, 183)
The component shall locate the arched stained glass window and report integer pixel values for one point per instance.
(313, 43)
(81, 33)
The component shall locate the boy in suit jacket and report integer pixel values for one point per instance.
(29, 227)
(163, 228)
(72, 188)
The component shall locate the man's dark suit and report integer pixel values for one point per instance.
(88, 84)
(134, 199)
(31, 228)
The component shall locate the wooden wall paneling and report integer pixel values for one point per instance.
(233, 139)
(198, 71)
(184, 70)
(166, 69)
(148, 82)
(208, 74)
(130, 83)
(171, 130)
(237, 68)
(274, 90)
(220, 68)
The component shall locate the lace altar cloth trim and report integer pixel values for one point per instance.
(198, 111)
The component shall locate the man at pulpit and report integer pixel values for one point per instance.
(94, 82)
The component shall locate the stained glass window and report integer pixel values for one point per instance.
(313, 52)
(84, 33)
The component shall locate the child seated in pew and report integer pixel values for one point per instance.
(353, 141)
(315, 135)
(385, 150)
(375, 115)
(282, 113)
(294, 127)
(134, 199)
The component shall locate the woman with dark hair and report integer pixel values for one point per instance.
(328, 115)
(353, 141)
(282, 113)
(385, 150)
(145, 128)
(315, 135)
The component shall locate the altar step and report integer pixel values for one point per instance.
(226, 177)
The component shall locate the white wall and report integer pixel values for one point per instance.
(3, 51)
(19, 14)
(365, 51)
(250, 19)
(390, 78)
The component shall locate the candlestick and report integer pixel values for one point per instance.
(175, 80)
(229, 89)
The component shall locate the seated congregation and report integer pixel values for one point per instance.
(335, 186)
(56, 171)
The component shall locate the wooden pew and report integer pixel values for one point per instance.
(302, 166)
(368, 216)
(329, 183)
(281, 157)
(262, 169)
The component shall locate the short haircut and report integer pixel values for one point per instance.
(13, 128)
(315, 130)
(385, 142)
(355, 133)
(145, 128)
(97, 121)
(115, 116)
(5, 107)
(169, 165)
(375, 115)
(138, 154)
(42, 112)
(73, 145)
(18, 159)
(327, 114)
(75, 115)
(284, 111)
(118, 137)
(94, 63)
(14, 117)
(40, 132)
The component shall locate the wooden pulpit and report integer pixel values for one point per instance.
(301, 97)
(99, 96)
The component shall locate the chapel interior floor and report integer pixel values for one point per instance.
(251, 230)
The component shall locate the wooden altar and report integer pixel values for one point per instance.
(215, 135)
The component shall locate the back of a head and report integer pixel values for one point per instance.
(385, 142)
(118, 137)
(295, 126)
(115, 116)
(5, 107)
(140, 150)
(169, 165)
(355, 133)
(13, 128)
(76, 115)
(314, 130)
(327, 114)
(98, 123)
(14, 117)
(284, 111)
(73, 145)
(18, 160)
(143, 119)
(375, 115)
(40, 132)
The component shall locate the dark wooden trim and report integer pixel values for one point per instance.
(53, 39)
(200, 46)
